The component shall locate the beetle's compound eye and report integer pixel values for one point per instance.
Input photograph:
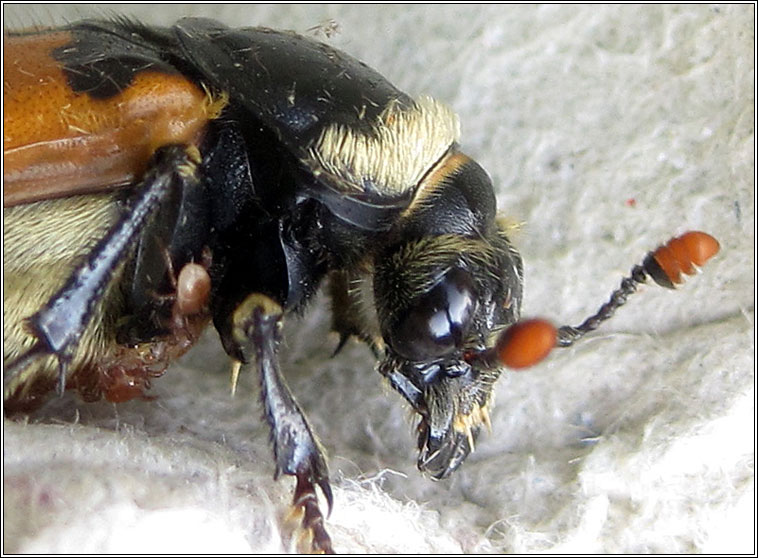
(437, 323)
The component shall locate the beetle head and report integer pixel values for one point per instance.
(444, 288)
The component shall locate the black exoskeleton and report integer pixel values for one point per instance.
(313, 168)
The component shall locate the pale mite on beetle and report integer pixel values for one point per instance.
(267, 164)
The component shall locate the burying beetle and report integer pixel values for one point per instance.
(173, 176)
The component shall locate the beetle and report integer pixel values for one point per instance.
(177, 176)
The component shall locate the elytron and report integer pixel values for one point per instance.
(160, 178)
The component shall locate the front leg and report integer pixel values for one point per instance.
(257, 324)
(349, 313)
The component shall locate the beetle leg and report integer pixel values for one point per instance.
(348, 313)
(60, 323)
(257, 324)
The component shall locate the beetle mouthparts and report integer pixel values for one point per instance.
(440, 456)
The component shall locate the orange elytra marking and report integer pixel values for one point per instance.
(526, 343)
(57, 142)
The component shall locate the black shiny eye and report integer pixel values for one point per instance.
(438, 321)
